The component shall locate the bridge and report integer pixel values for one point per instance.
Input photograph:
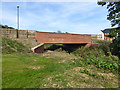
(59, 38)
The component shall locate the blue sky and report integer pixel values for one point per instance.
(73, 17)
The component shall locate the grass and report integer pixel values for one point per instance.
(92, 67)
(34, 71)
(22, 68)
(13, 46)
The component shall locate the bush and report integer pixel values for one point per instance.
(112, 46)
(115, 47)
(97, 56)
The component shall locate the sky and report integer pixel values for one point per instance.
(72, 17)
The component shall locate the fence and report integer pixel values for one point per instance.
(12, 33)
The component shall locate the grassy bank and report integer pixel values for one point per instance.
(13, 46)
(98, 57)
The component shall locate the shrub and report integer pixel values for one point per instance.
(97, 56)
(115, 47)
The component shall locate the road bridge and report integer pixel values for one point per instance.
(59, 38)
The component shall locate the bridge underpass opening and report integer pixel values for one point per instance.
(63, 47)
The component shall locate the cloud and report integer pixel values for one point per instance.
(49, 0)
(71, 17)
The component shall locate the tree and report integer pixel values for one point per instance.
(114, 17)
(67, 32)
(6, 27)
(10, 27)
(113, 10)
(59, 31)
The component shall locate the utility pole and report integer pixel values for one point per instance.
(17, 36)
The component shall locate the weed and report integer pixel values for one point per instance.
(96, 56)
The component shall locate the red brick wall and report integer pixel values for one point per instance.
(39, 49)
(46, 37)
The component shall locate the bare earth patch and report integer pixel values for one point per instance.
(35, 67)
(107, 74)
(110, 76)
(78, 69)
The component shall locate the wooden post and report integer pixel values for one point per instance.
(27, 33)
(17, 36)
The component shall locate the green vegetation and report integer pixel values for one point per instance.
(34, 71)
(113, 11)
(101, 57)
(12, 46)
(113, 16)
(115, 47)
(6, 27)
(93, 67)
(27, 70)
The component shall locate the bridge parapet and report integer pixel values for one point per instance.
(63, 38)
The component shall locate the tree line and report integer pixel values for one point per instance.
(6, 27)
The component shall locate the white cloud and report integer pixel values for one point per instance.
(41, 16)
(49, 0)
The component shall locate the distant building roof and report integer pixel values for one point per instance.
(106, 31)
